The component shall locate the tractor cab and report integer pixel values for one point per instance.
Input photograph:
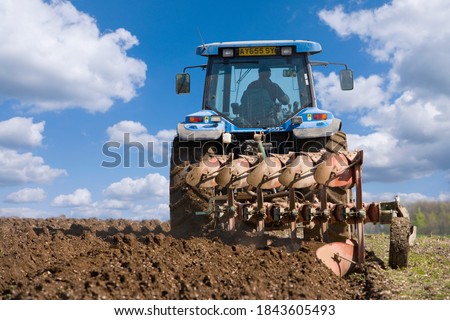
(258, 91)
(257, 84)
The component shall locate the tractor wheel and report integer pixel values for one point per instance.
(399, 243)
(337, 142)
(185, 200)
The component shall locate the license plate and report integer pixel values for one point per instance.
(257, 51)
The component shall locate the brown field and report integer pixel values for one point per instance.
(76, 259)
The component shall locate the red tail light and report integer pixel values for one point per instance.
(195, 119)
(320, 116)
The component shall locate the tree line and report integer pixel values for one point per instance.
(430, 217)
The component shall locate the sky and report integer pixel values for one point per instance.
(78, 76)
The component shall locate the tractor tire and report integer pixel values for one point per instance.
(399, 242)
(337, 142)
(185, 201)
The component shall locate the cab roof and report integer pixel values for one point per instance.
(300, 45)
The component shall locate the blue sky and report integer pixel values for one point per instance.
(77, 74)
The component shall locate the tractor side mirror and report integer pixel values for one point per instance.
(183, 83)
(346, 79)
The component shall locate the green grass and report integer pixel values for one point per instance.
(427, 276)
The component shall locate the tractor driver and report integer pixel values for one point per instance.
(264, 82)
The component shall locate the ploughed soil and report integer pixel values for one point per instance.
(61, 258)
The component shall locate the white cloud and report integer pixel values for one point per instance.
(153, 185)
(399, 25)
(113, 204)
(444, 196)
(410, 126)
(137, 199)
(166, 135)
(53, 57)
(413, 119)
(368, 93)
(79, 198)
(160, 212)
(139, 133)
(26, 195)
(131, 136)
(17, 168)
(20, 132)
(119, 209)
(376, 146)
(408, 142)
(413, 38)
(23, 212)
(405, 198)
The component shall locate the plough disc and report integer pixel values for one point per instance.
(338, 256)
(335, 172)
(203, 174)
(299, 173)
(265, 175)
(234, 176)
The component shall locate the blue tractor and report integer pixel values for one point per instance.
(261, 154)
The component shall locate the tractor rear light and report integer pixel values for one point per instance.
(216, 118)
(227, 53)
(286, 51)
(195, 119)
(320, 116)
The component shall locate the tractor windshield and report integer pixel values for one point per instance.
(255, 92)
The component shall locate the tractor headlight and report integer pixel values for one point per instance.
(227, 53)
(286, 51)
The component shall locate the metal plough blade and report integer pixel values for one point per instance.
(340, 257)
